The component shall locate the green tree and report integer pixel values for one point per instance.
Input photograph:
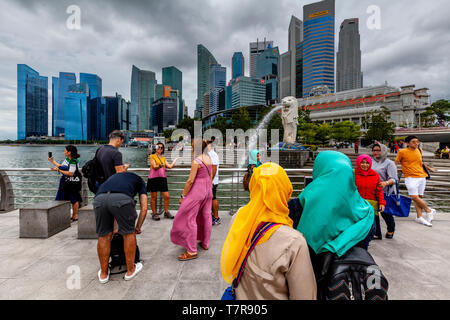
(308, 131)
(222, 125)
(241, 120)
(168, 133)
(441, 111)
(345, 131)
(323, 133)
(379, 127)
(188, 124)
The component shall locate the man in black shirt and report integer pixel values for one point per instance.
(114, 200)
(109, 156)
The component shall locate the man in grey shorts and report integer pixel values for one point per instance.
(115, 200)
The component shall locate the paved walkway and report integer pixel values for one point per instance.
(416, 263)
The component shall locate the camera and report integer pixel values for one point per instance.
(50, 154)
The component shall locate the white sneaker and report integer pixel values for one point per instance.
(423, 221)
(430, 215)
(137, 269)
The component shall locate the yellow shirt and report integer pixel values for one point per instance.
(411, 162)
(160, 160)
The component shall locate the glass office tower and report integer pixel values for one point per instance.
(60, 89)
(32, 103)
(143, 85)
(318, 46)
(204, 60)
(237, 65)
(76, 112)
(94, 82)
(173, 77)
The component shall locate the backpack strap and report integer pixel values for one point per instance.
(255, 239)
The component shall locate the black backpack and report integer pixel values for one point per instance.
(118, 255)
(354, 276)
(93, 172)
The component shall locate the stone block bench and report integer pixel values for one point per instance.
(44, 219)
(86, 223)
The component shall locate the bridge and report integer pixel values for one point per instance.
(440, 134)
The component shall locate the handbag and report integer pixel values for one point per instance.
(229, 293)
(72, 184)
(397, 205)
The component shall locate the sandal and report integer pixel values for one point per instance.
(168, 215)
(187, 256)
(203, 247)
(376, 238)
(389, 235)
(155, 217)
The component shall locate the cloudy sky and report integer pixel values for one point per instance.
(412, 45)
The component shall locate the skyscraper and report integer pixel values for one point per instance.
(318, 46)
(32, 103)
(348, 68)
(248, 92)
(267, 70)
(173, 77)
(237, 65)
(285, 75)
(204, 60)
(217, 82)
(60, 90)
(142, 96)
(76, 112)
(94, 82)
(295, 39)
(255, 49)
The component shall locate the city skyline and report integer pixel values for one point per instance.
(410, 47)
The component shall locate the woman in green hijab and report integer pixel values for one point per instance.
(335, 217)
(254, 161)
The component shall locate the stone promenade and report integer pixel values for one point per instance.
(416, 263)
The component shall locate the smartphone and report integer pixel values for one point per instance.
(49, 154)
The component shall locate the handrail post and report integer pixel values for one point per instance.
(7, 193)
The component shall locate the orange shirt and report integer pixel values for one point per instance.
(411, 162)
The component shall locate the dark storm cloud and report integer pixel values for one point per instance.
(411, 47)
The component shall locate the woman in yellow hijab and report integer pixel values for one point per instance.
(279, 267)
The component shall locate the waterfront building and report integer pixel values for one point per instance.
(76, 112)
(348, 57)
(405, 104)
(318, 45)
(94, 82)
(217, 82)
(124, 113)
(143, 84)
(32, 103)
(267, 70)
(165, 114)
(255, 49)
(228, 96)
(173, 77)
(285, 75)
(248, 91)
(60, 89)
(204, 60)
(237, 65)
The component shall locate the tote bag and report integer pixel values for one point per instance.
(397, 205)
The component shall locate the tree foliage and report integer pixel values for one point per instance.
(379, 127)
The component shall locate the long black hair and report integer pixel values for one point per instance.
(73, 151)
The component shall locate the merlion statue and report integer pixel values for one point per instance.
(289, 116)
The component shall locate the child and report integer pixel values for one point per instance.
(367, 181)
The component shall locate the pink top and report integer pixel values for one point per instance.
(158, 173)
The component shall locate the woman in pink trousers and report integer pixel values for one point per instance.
(193, 220)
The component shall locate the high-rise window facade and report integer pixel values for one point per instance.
(248, 92)
(142, 96)
(94, 82)
(318, 46)
(32, 103)
(76, 112)
(204, 60)
(348, 64)
(256, 48)
(237, 65)
(60, 91)
(173, 77)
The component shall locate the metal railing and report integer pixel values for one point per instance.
(21, 187)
